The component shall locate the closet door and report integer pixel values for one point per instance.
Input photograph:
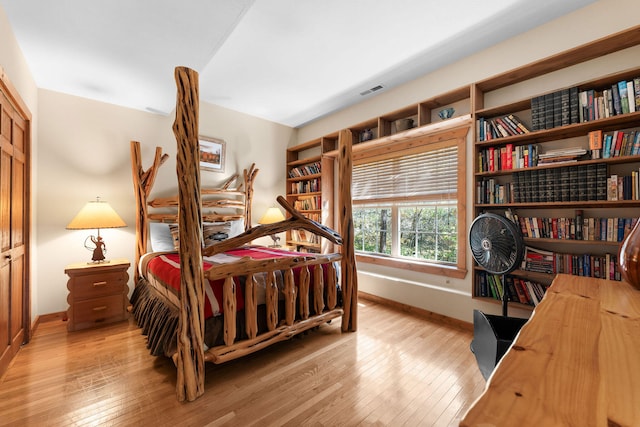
(14, 289)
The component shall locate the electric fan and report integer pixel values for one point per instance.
(497, 246)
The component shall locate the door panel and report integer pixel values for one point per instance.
(14, 225)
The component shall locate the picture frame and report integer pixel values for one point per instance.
(212, 153)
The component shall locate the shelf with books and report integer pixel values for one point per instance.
(543, 240)
(578, 151)
(566, 132)
(522, 292)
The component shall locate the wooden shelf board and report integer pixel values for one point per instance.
(577, 204)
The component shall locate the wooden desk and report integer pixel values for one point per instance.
(576, 362)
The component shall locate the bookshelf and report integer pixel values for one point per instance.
(310, 188)
(581, 69)
(573, 197)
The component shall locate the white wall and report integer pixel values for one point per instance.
(85, 152)
(15, 67)
(452, 297)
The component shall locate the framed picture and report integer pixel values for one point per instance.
(211, 154)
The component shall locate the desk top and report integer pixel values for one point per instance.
(576, 362)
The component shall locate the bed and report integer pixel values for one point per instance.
(226, 298)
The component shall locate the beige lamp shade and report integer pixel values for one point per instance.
(271, 216)
(96, 214)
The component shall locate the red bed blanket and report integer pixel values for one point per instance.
(162, 271)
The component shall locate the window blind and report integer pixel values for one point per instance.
(428, 174)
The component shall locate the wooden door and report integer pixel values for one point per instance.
(14, 225)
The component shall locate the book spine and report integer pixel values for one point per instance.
(535, 113)
(636, 87)
(615, 93)
(565, 107)
(574, 105)
(548, 111)
(631, 97)
(624, 98)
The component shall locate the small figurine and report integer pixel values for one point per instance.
(366, 135)
(98, 254)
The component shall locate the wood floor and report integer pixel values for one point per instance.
(398, 369)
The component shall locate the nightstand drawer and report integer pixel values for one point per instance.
(98, 310)
(98, 285)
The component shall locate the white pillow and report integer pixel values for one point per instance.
(164, 237)
(160, 237)
(237, 227)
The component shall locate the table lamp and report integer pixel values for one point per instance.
(96, 214)
(272, 215)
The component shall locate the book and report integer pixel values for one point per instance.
(516, 120)
(557, 108)
(615, 93)
(624, 98)
(636, 145)
(582, 111)
(565, 107)
(631, 96)
(595, 143)
(606, 146)
(616, 143)
(535, 113)
(612, 188)
(636, 88)
(591, 112)
(574, 103)
(548, 111)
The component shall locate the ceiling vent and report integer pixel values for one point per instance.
(373, 89)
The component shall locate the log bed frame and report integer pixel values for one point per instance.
(191, 355)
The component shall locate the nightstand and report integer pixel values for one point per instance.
(97, 293)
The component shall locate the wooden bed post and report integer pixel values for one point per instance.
(249, 177)
(190, 360)
(349, 273)
(142, 184)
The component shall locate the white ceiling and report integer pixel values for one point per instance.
(288, 61)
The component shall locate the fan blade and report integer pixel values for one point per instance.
(493, 244)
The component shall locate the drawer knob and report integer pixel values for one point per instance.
(101, 308)
(97, 284)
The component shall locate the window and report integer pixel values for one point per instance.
(408, 204)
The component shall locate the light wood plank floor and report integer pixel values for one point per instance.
(398, 369)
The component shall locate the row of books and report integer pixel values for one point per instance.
(566, 183)
(603, 145)
(306, 186)
(618, 143)
(518, 289)
(304, 236)
(621, 98)
(559, 108)
(305, 170)
(493, 159)
(624, 187)
(500, 127)
(576, 228)
(588, 265)
(310, 203)
(572, 105)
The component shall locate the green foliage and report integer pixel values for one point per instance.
(426, 232)
(372, 228)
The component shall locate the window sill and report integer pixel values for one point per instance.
(421, 267)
